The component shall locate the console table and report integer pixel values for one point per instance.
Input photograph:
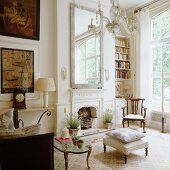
(17, 121)
(28, 153)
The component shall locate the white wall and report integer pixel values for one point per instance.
(45, 62)
(53, 53)
(63, 55)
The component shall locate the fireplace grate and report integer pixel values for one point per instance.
(85, 116)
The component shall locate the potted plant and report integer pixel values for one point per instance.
(73, 123)
(108, 117)
(80, 143)
(75, 139)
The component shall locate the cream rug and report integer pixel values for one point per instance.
(158, 156)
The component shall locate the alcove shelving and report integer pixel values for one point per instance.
(123, 70)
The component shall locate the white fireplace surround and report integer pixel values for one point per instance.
(88, 98)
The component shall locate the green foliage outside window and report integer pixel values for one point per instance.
(161, 53)
(161, 25)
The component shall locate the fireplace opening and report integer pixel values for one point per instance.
(86, 115)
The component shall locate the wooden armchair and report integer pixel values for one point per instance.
(134, 111)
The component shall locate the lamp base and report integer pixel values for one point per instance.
(45, 99)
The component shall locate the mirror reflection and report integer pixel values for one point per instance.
(86, 49)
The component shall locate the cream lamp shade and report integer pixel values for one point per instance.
(45, 85)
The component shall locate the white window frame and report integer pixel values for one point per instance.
(154, 43)
(84, 40)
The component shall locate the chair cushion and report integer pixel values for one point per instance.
(134, 116)
(6, 119)
(126, 135)
(20, 132)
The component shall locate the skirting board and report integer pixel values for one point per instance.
(158, 126)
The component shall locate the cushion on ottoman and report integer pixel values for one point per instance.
(126, 135)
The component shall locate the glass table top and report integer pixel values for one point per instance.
(70, 147)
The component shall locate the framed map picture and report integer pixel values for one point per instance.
(20, 18)
(17, 70)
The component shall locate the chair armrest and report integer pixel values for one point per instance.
(144, 108)
(123, 108)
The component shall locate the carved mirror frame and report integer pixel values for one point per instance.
(72, 42)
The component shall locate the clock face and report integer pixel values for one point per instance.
(19, 97)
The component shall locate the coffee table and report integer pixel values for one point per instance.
(67, 148)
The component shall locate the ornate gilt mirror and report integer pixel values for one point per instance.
(86, 50)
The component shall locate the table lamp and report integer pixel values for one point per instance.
(45, 85)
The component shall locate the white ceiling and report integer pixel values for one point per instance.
(126, 4)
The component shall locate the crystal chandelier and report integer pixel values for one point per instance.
(117, 19)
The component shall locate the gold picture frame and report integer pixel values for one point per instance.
(20, 18)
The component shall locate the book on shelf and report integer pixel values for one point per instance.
(117, 56)
(122, 64)
(122, 74)
(125, 50)
(127, 65)
(122, 42)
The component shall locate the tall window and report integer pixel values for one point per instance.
(88, 52)
(160, 26)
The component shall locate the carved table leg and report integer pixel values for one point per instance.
(88, 155)
(125, 158)
(66, 159)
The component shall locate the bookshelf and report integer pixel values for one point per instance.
(123, 71)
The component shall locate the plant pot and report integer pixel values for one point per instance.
(75, 141)
(108, 125)
(80, 144)
(73, 132)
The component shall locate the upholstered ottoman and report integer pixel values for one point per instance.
(125, 140)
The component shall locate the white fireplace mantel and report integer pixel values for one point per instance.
(86, 92)
(87, 98)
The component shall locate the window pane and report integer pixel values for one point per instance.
(161, 53)
(166, 57)
(166, 70)
(156, 88)
(167, 88)
(98, 66)
(88, 62)
(167, 82)
(80, 64)
(167, 93)
(81, 51)
(90, 45)
(98, 45)
(156, 58)
(161, 25)
(91, 68)
(92, 82)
